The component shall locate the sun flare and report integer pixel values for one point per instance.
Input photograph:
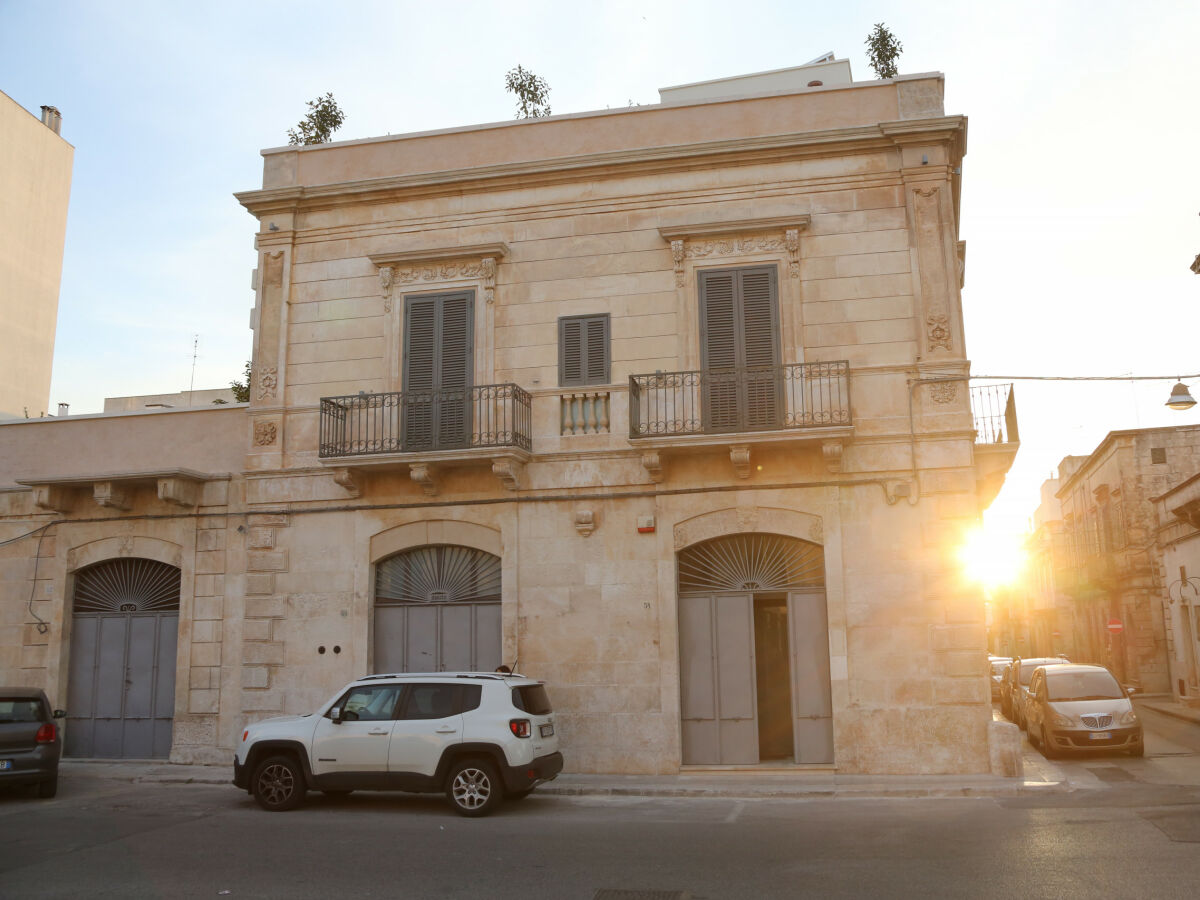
(992, 558)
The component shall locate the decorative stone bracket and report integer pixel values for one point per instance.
(51, 497)
(476, 261)
(111, 495)
(424, 475)
(348, 479)
(832, 451)
(652, 461)
(180, 487)
(739, 455)
(585, 521)
(180, 491)
(735, 238)
(508, 471)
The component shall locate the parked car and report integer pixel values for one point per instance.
(1081, 708)
(30, 740)
(998, 666)
(479, 737)
(1018, 683)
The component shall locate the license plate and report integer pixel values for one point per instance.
(5, 764)
(1100, 736)
(547, 730)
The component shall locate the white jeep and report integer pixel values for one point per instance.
(480, 737)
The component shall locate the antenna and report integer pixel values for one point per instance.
(195, 353)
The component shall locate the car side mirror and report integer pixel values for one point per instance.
(60, 714)
(1130, 690)
(335, 715)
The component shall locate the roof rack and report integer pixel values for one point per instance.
(494, 676)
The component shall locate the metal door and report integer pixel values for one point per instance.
(812, 702)
(437, 609)
(717, 685)
(121, 683)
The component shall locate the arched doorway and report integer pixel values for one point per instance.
(754, 651)
(121, 683)
(437, 609)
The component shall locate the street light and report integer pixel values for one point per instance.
(1180, 397)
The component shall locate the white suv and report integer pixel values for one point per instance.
(477, 736)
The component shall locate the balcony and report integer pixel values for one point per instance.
(424, 428)
(801, 401)
(997, 439)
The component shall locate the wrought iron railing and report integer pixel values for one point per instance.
(995, 410)
(488, 415)
(763, 398)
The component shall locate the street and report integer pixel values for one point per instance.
(1130, 828)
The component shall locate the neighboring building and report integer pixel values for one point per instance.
(664, 405)
(179, 400)
(1179, 546)
(1108, 512)
(35, 186)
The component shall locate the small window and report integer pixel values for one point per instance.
(1158, 455)
(431, 701)
(471, 694)
(533, 699)
(370, 703)
(583, 356)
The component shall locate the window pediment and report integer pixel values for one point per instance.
(735, 238)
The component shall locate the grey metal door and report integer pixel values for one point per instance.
(717, 685)
(437, 609)
(808, 634)
(121, 683)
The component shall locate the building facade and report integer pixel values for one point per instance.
(35, 187)
(666, 406)
(1179, 548)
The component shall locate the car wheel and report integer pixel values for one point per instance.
(1047, 748)
(474, 788)
(278, 784)
(48, 788)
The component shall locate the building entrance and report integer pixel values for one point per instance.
(754, 652)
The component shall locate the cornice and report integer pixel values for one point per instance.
(738, 226)
(879, 136)
(440, 254)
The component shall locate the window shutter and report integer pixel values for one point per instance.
(420, 331)
(438, 344)
(583, 350)
(454, 376)
(758, 318)
(718, 334)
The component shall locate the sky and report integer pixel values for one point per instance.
(1081, 184)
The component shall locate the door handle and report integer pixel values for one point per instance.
(447, 730)
(378, 731)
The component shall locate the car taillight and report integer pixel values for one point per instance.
(245, 733)
(519, 727)
(47, 733)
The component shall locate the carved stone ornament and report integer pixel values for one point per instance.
(832, 451)
(653, 464)
(508, 471)
(440, 272)
(385, 282)
(51, 497)
(423, 474)
(345, 479)
(489, 279)
(929, 192)
(734, 246)
(268, 382)
(110, 495)
(939, 331)
(585, 521)
(816, 531)
(791, 239)
(739, 455)
(265, 433)
(945, 392)
(678, 254)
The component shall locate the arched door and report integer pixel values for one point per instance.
(754, 651)
(437, 609)
(121, 688)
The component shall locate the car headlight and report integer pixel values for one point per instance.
(1061, 720)
(1128, 718)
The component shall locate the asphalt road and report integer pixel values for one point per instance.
(1132, 831)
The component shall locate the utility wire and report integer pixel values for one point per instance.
(1081, 377)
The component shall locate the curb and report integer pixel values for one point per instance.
(1167, 709)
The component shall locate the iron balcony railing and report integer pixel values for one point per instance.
(488, 415)
(762, 398)
(995, 410)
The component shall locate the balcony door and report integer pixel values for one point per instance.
(438, 331)
(739, 338)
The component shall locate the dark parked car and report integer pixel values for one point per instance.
(1081, 708)
(30, 740)
(1015, 689)
(998, 664)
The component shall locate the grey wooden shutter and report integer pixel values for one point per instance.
(739, 341)
(583, 350)
(437, 371)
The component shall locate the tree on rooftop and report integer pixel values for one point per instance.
(241, 389)
(323, 119)
(533, 93)
(883, 49)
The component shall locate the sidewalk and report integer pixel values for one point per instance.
(1168, 706)
(1040, 777)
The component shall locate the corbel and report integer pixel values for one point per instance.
(832, 451)
(424, 475)
(52, 497)
(345, 478)
(653, 463)
(110, 495)
(508, 471)
(585, 521)
(739, 455)
(179, 491)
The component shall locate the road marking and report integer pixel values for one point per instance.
(735, 813)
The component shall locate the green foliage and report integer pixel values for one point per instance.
(883, 49)
(241, 389)
(533, 93)
(323, 119)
